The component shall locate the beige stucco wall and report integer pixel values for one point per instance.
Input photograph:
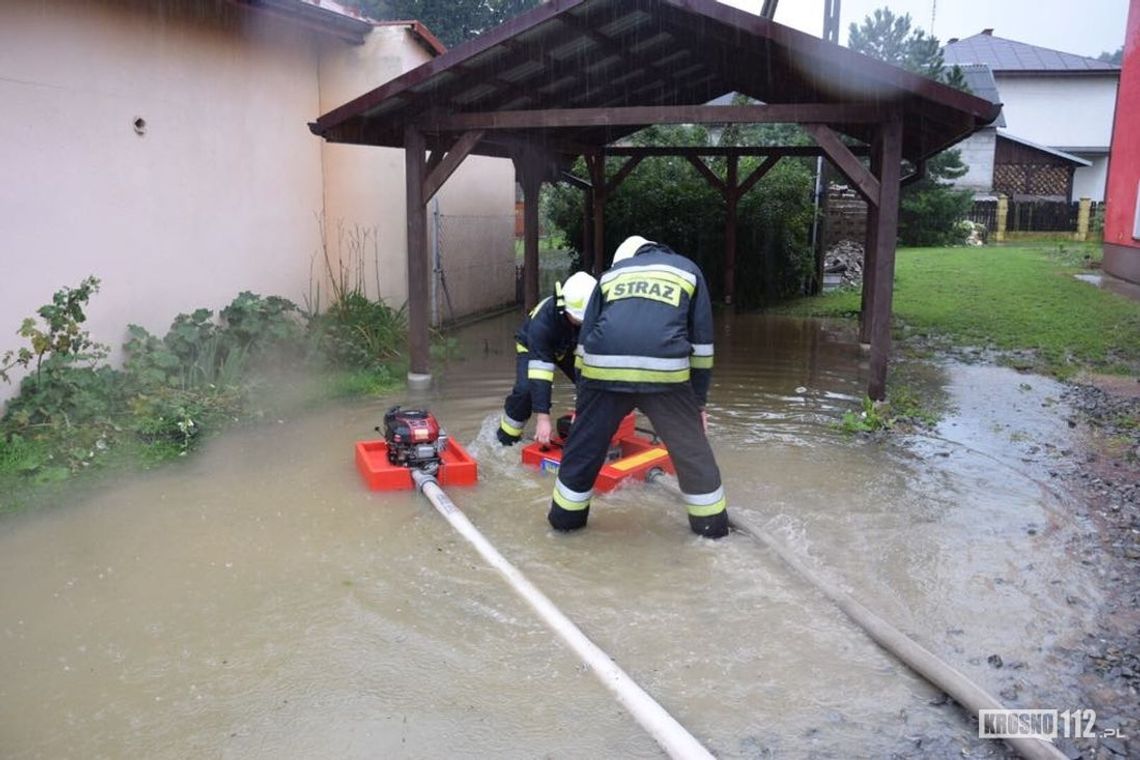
(226, 190)
(219, 195)
(365, 194)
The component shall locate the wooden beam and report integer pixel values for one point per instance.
(419, 289)
(731, 198)
(703, 168)
(630, 164)
(918, 173)
(845, 161)
(576, 181)
(870, 248)
(805, 113)
(447, 166)
(530, 167)
(886, 236)
(750, 150)
(756, 175)
(597, 166)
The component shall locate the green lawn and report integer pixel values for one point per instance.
(1013, 297)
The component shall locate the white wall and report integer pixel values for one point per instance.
(219, 195)
(365, 192)
(1059, 111)
(1089, 181)
(226, 189)
(978, 153)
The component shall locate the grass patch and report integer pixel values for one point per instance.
(1009, 298)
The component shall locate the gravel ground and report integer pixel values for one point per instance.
(1105, 481)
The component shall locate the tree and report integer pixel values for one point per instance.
(930, 209)
(452, 21)
(891, 38)
(1117, 57)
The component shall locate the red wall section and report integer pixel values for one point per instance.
(1122, 251)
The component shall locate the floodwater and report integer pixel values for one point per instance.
(255, 601)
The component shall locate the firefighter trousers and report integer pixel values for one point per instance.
(676, 418)
(517, 406)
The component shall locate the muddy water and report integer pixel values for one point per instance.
(256, 601)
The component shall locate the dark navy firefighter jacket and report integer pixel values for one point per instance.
(549, 338)
(648, 326)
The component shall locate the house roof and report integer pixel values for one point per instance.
(325, 16)
(567, 56)
(981, 82)
(1044, 149)
(1003, 55)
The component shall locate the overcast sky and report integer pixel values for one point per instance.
(1088, 27)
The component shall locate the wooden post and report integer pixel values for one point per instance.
(597, 166)
(588, 253)
(731, 198)
(889, 148)
(1002, 218)
(870, 246)
(529, 169)
(1083, 213)
(415, 170)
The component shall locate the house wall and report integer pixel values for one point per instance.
(978, 154)
(1090, 181)
(220, 193)
(227, 189)
(365, 194)
(1060, 111)
(1122, 206)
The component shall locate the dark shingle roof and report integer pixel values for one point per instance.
(981, 82)
(1001, 55)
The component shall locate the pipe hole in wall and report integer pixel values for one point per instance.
(140, 126)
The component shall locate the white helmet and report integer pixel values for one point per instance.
(629, 247)
(576, 293)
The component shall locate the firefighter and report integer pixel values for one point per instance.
(545, 340)
(647, 342)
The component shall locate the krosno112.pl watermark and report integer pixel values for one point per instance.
(1041, 724)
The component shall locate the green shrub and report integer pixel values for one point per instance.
(667, 200)
(359, 333)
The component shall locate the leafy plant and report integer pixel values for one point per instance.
(61, 335)
(259, 323)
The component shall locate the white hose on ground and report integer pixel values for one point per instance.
(960, 688)
(663, 727)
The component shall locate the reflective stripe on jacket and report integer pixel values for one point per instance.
(649, 326)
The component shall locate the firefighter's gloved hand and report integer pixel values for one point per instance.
(542, 430)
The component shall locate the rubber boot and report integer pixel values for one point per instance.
(506, 438)
(566, 520)
(713, 526)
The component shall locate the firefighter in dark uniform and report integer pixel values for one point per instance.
(647, 342)
(545, 340)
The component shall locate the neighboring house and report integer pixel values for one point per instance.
(163, 146)
(1052, 142)
(1122, 204)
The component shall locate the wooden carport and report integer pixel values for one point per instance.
(572, 77)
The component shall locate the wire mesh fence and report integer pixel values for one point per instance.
(473, 264)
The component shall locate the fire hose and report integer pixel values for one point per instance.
(663, 727)
(922, 661)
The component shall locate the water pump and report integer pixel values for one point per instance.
(414, 439)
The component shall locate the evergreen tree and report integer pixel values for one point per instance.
(929, 209)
